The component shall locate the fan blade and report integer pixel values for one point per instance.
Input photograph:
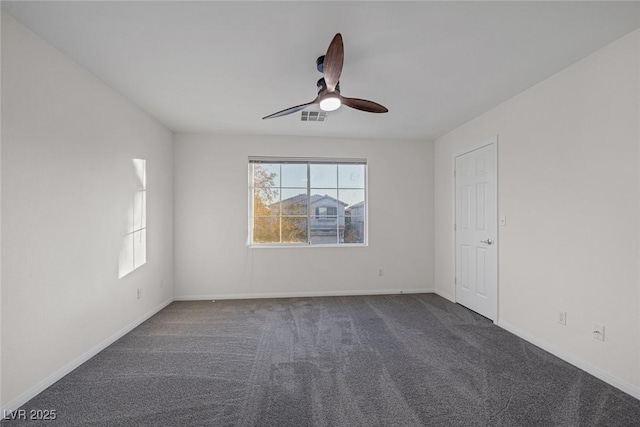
(332, 64)
(290, 110)
(364, 105)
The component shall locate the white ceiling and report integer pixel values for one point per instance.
(221, 66)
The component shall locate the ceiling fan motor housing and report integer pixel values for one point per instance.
(322, 85)
(319, 64)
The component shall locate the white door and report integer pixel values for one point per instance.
(476, 231)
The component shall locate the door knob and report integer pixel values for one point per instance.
(488, 241)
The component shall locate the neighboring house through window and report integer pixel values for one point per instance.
(307, 201)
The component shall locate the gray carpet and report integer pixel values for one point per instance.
(402, 360)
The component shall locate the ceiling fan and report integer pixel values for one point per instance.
(329, 97)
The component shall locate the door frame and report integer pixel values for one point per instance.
(456, 154)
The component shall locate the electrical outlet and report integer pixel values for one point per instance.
(598, 332)
(139, 293)
(562, 318)
(380, 272)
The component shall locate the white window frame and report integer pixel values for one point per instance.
(308, 160)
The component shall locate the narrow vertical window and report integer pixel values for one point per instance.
(133, 253)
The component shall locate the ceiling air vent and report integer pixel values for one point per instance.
(313, 116)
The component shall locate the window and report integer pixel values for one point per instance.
(307, 202)
(133, 253)
(326, 211)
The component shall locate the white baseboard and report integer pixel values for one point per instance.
(56, 376)
(572, 359)
(302, 294)
(444, 295)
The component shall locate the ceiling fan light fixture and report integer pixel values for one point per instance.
(330, 103)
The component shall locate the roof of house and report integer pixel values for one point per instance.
(302, 198)
(356, 206)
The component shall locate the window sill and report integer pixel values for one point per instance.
(306, 245)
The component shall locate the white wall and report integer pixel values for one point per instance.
(212, 258)
(67, 145)
(569, 187)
